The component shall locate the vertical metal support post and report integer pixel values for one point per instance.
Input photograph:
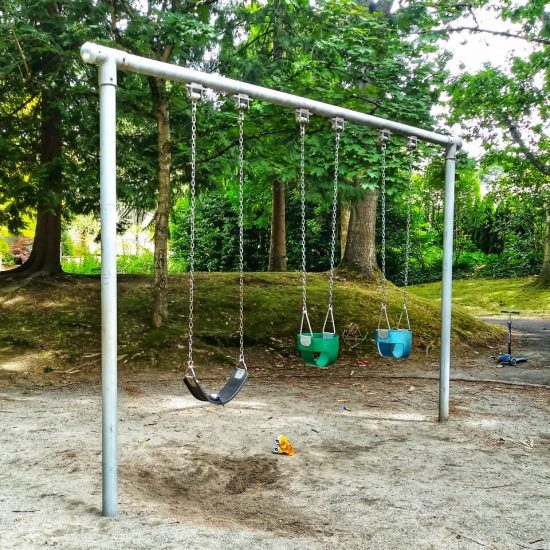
(447, 283)
(107, 151)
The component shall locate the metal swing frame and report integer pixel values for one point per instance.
(109, 61)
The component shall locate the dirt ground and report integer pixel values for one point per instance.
(382, 474)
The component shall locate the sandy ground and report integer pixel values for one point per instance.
(383, 475)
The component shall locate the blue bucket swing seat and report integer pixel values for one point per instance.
(395, 343)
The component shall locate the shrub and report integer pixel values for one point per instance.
(143, 263)
(126, 263)
(85, 265)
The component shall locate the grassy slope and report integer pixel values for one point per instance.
(62, 318)
(486, 297)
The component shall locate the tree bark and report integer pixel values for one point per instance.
(45, 257)
(160, 280)
(277, 249)
(345, 213)
(544, 277)
(382, 6)
(360, 253)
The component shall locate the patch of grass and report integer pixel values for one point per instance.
(12, 340)
(126, 263)
(63, 316)
(486, 297)
(273, 310)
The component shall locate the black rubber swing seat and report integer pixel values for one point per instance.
(232, 387)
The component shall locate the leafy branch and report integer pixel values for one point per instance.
(529, 155)
(506, 34)
(16, 39)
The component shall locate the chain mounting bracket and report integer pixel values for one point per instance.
(338, 124)
(384, 135)
(242, 102)
(412, 142)
(195, 91)
(302, 116)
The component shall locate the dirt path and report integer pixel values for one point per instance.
(383, 475)
(534, 334)
(530, 337)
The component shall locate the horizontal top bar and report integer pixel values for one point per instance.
(96, 54)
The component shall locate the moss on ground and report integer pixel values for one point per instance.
(63, 316)
(486, 297)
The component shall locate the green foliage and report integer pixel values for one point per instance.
(6, 256)
(45, 100)
(321, 51)
(141, 263)
(67, 248)
(85, 265)
(499, 235)
(508, 107)
(339, 52)
(216, 236)
(90, 264)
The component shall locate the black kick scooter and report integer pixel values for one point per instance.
(508, 358)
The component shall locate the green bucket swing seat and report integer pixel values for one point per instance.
(318, 349)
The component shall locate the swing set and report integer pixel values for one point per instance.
(318, 349)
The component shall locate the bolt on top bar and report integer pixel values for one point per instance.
(96, 55)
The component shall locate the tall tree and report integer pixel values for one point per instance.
(41, 84)
(176, 31)
(508, 107)
(345, 53)
(274, 33)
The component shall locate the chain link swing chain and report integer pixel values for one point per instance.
(384, 138)
(302, 117)
(338, 127)
(195, 94)
(242, 103)
(411, 147)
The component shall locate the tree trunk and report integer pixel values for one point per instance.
(45, 257)
(277, 249)
(360, 254)
(382, 6)
(345, 213)
(544, 278)
(160, 280)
